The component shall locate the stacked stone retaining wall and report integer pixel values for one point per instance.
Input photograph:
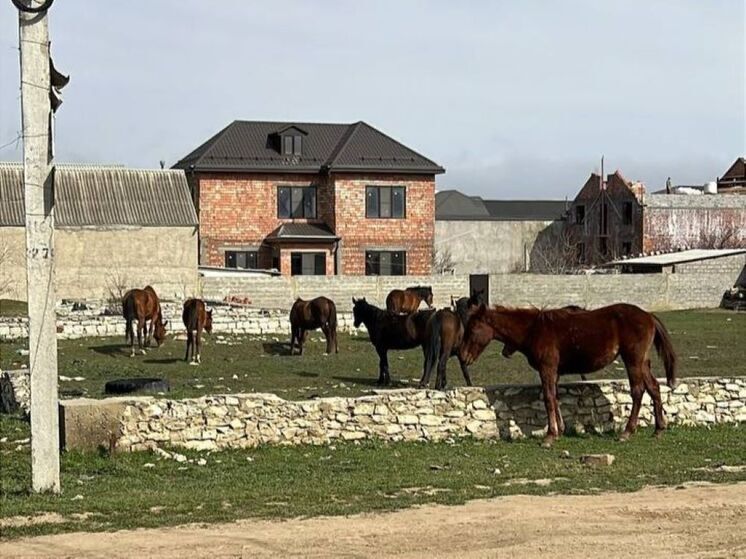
(508, 411)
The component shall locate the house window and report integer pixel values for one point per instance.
(627, 215)
(292, 145)
(246, 259)
(603, 222)
(296, 202)
(385, 263)
(580, 253)
(308, 263)
(626, 248)
(579, 214)
(385, 201)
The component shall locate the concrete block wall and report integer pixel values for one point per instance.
(507, 411)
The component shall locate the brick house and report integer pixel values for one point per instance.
(618, 218)
(312, 199)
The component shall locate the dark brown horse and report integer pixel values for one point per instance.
(445, 330)
(562, 341)
(196, 318)
(310, 315)
(408, 300)
(144, 306)
(388, 330)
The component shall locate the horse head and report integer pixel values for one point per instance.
(477, 335)
(358, 310)
(159, 333)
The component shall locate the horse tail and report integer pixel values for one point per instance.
(433, 341)
(332, 319)
(128, 312)
(664, 347)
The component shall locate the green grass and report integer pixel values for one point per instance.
(709, 343)
(118, 491)
(10, 307)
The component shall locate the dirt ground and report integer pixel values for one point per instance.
(696, 521)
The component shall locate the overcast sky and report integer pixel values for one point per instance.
(514, 99)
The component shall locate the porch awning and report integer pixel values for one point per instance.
(302, 232)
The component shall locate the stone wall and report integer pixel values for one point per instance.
(508, 411)
(725, 265)
(226, 320)
(488, 247)
(91, 262)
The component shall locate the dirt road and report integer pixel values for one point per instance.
(698, 521)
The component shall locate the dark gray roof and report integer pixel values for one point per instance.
(456, 206)
(302, 231)
(251, 146)
(101, 196)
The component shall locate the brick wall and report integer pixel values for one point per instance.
(707, 221)
(725, 265)
(238, 211)
(415, 233)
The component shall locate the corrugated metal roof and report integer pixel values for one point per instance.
(456, 206)
(679, 257)
(254, 146)
(87, 195)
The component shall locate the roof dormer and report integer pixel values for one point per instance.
(289, 140)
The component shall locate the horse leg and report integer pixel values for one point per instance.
(383, 367)
(301, 339)
(427, 367)
(336, 342)
(328, 335)
(140, 335)
(637, 388)
(188, 344)
(131, 336)
(549, 389)
(653, 389)
(292, 339)
(445, 353)
(465, 371)
(560, 421)
(198, 341)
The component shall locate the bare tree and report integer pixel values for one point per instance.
(116, 282)
(725, 237)
(443, 261)
(556, 251)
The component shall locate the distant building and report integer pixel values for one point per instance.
(115, 229)
(617, 218)
(312, 199)
(479, 236)
(734, 179)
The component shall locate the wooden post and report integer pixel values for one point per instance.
(39, 199)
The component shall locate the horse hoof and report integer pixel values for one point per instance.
(143, 352)
(547, 442)
(658, 433)
(624, 437)
(193, 363)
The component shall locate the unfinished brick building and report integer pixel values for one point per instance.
(313, 199)
(618, 218)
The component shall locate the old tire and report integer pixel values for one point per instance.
(129, 385)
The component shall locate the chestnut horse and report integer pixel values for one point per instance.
(445, 330)
(563, 341)
(143, 305)
(310, 315)
(196, 318)
(408, 300)
(388, 330)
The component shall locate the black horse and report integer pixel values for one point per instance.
(388, 330)
(445, 330)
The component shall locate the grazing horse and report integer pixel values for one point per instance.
(445, 330)
(196, 318)
(310, 315)
(143, 305)
(388, 330)
(408, 300)
(563, 341)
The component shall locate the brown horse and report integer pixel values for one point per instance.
(408, 300)
(445, 331)
(143, 305)
(310, 315)
(388, 330)
(196, 318)
(562, 341)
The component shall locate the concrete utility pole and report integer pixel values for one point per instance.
(39, 198)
